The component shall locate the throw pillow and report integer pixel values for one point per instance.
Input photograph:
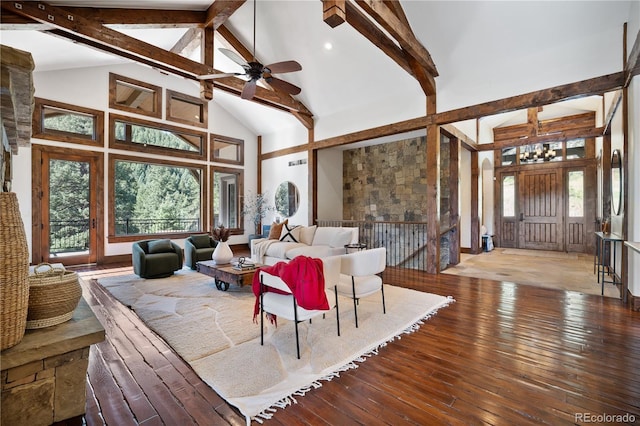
(341, 238)
(307, 233)
(201, 241)
(276, 230)
(160, 246)
(290, 234)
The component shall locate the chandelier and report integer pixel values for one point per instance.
(534, 153)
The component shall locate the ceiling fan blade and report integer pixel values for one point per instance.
(219, 75)
(283, 85)
(249, 90)
(283, 67)
(234, 57)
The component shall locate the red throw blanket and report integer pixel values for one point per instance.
(303, 275)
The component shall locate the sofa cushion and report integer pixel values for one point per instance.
(323, 235)
(201, 241)
(276, 230)
(280, 248)
(290, 233)
(341, 238)
(160, 246)
(307, 233)
(311, 251)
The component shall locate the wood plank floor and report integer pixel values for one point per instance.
(502, 354)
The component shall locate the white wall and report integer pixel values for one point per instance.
(89, 87)
(330, 184)
(277, 170)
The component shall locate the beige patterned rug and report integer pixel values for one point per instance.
(213, 331)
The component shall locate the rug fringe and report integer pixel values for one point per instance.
(268, 413)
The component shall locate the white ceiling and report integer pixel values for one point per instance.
(484, 50)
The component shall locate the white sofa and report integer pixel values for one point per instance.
(313, 241)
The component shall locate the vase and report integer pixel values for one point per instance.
(222, 254)
(14, 272)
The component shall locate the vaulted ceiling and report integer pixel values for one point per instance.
(469, 52)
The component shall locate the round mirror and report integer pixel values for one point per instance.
(616, 181)
(287, 199)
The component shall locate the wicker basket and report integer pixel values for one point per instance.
(14, 272)
(53, 296)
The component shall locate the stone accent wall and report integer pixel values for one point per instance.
(45, 391)
(386, 182)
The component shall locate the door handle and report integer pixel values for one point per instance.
(521, 217)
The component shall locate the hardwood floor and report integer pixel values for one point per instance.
(501, 354)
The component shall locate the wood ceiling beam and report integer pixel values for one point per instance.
(580, 89)
(632, 66)
(220, 11)
(337, 11)
(188, 43)
(364, 26)
(420, 72)
(78, 28)
(141, 18)
(400, 30)
(234, 43)
(587, 132)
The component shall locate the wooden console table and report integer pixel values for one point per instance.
(44, 377)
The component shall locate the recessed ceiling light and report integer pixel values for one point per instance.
(328, 46)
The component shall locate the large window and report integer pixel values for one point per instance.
(68, 123)
(140, 135)
(154, 197)
(227, 186)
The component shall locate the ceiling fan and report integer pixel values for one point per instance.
(255, 71)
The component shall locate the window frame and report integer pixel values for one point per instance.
(232, 141)
(56, 135)
(157, 102)
(240, 202)
(203, 122)
(111, 231)
(137, 147)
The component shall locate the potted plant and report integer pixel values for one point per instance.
(256, 207)
(222, 254)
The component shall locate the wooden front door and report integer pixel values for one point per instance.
(541, 210)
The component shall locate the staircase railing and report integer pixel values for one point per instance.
(405, 241)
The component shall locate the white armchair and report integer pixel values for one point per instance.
(360, 275)
(286, 306)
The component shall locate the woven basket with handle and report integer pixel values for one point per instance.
(53, 296)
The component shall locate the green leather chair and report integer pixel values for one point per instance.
(156, 258)
(198, 247)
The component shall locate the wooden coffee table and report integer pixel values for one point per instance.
(226, 275)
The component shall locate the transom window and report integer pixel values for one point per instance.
(135, 96)
(227, 150)
(68, 123)
(186, 109)
(134, 134)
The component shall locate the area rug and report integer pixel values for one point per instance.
(214, 332)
